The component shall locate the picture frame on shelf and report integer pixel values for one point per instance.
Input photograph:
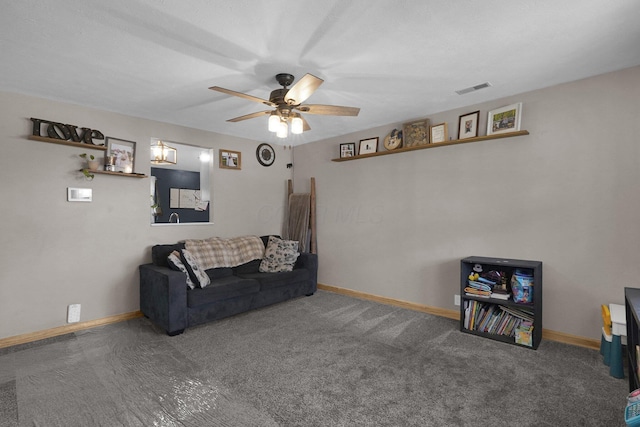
(368, 146)
(347, 149)
(229, 159)
(504, 119)
(415, 133)
(439, 133)
(468, 125)
(393, 140)
(123, 153)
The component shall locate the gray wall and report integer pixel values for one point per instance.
(394, 225)
(567, 195)
(56, 253)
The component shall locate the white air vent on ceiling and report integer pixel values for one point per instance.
(473, 88)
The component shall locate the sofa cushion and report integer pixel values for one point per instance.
(252, 266)
(175, 263)
(160, 253)
(280, 255)
(275, 280)
(219, 273)
(221, 289)
(248, 267)
(198, 276)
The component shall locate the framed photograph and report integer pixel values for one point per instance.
(123, 153)
(347, 149)
(468, 125)
(415, 133)
(368, 146)
(505, 119)
(230, 159)
(439, 133)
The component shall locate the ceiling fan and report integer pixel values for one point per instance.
(288, 105)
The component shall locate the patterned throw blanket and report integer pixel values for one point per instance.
(217, 252)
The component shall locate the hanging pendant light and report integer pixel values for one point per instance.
(162, 153)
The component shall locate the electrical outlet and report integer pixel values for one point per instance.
(456, 300)
(73, 313)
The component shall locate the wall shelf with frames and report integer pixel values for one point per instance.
(90, 147)
(434, 145)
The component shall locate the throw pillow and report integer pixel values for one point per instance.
(280, 255)
(198, 276)
(175, 263)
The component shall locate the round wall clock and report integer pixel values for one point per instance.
(393, 140)
(265, 154)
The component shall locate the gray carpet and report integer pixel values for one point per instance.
(325, 360)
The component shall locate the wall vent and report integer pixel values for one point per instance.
(473, 88)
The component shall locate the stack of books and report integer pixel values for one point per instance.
(499, 293)
(486, 288)
(496, 319)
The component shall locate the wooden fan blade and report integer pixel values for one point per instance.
(329, 110)
(302, 90)
(243, 95)
(250, 116)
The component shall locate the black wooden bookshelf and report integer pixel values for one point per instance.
(508, 266)
(632, 307)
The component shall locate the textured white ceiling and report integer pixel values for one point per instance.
(396, 60)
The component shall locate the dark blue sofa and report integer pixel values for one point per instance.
(168, 302)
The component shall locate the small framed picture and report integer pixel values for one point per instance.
(368, 146)
(415, 133)
(123, 153)
(230, 159)
(505, 119)
(468, 125)
(347, 149)
(439, 133)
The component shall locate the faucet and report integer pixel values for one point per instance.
(177, 217)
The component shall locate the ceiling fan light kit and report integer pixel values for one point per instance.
(286, 100)
(274, 122)
(282, 130)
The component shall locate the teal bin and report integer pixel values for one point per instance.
(632, 414)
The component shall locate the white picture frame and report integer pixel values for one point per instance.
(504, 119)
(368, 146)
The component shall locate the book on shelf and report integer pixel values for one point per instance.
(499, 320)
(520, 313)
(500, 295)
(524, 333)
(473, 292)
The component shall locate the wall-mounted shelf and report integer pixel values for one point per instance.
(126, 175)
(67, 142)
(434, 145)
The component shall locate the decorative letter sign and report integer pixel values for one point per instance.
(64, 132)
